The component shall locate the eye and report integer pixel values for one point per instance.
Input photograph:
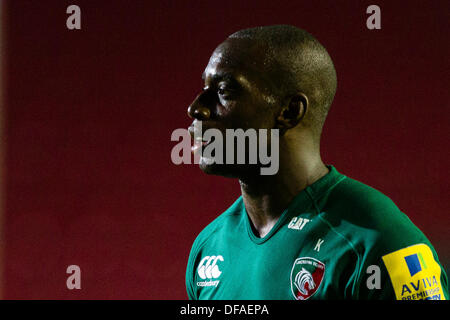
(224, 91)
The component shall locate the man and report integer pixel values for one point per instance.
(306, 232)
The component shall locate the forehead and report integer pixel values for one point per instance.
(237, 59)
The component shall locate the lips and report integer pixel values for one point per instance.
(197, 137)
(198, 144)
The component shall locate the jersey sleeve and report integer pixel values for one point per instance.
(415, 274)
(190, 275)
(396, 261)
(410, 273)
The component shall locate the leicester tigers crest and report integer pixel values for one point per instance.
(306, 276)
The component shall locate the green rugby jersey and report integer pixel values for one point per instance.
(338, 239)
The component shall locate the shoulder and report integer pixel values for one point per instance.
(382, 235)
(213, 229)
(360, 197)
(209, 234)
(370, 218)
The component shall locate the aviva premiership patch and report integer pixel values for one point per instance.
(306, 277)
(414, 273)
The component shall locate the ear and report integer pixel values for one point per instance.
(291, 115)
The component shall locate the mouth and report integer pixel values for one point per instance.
(199, 142)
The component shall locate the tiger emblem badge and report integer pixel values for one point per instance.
(306, 277)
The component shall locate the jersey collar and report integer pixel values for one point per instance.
(304, 200)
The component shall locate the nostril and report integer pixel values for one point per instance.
(201, 113)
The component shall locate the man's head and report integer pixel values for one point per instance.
(273, 77)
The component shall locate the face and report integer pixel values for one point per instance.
(236, 95)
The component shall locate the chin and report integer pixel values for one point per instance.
(236, 171)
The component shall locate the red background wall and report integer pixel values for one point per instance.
(89, 115)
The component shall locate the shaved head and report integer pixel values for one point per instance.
(296, 62)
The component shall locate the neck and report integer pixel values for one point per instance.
(266, 197)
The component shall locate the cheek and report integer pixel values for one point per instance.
(223, 111)
(231, 113)
(257, 118)
(246, 114)
(262, 116)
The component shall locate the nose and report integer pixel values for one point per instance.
(197, 111)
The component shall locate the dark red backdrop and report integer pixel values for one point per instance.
(89, 115)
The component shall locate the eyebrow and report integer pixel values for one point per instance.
(221, 77)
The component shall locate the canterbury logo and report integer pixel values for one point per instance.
(208, 267)
(301, 279)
